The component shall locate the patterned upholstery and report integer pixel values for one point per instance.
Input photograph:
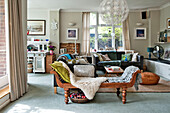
(126, 76)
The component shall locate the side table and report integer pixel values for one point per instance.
(49, 60)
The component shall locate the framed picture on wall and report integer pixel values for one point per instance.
(36, 27)
(72, 33)
(140, 33)
(168, 23)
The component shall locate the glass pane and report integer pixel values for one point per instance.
(39, 63)
(118, 39)
(93, 19)
(92, 39)
(101, 21)
(104, 38)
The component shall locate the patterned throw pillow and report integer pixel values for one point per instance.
(63, 72)
(73, 61)
(106, 57)
(126, 57)
(100, 56)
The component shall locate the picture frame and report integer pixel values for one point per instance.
(140, 33)
(63, 50)
(36, 27)
(168, 23)
(72, 33)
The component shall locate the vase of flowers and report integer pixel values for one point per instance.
(51, 49)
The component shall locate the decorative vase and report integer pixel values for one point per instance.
(51, 52)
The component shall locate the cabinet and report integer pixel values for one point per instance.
(49, 60)
(159, 68)
(38, 61)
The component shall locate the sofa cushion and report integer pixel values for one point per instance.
(73, 61)
(112, 56)
(106, 57)
(126, 57)
(63, 72)
(134, 57)
(112, 63)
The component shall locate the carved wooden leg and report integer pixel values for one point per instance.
(55, 90)
(66, 95)
(124, 96)
(118, 91)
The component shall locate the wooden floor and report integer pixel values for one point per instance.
(4, 92)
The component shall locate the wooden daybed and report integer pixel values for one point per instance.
(124, 86)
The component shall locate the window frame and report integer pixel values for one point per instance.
(105, 25)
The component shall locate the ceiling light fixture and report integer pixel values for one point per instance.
(113, 11)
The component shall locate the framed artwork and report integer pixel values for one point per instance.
(140, 33)
(36, 27)
(72, 33)
(63, 50)
(168, 23)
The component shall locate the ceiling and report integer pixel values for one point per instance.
(90, 5)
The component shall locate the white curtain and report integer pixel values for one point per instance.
(17, 54)
(126, 34)
(85, 48)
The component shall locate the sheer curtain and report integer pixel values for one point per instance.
(85, 48)
(17, 54)
(126, 34)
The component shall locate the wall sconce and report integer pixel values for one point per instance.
(71, 24)
(54, 24)
(139, 24)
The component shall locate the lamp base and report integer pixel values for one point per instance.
(149, 55)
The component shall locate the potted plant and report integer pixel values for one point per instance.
(51, 49)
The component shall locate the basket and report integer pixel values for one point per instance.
(78, 97)
(84, 100)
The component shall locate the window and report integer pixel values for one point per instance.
(104, 36)
(2, 40)
(3, 75)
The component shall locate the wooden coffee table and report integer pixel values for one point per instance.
(110, 70)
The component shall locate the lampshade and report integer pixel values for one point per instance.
(150, 49)
(113, 11)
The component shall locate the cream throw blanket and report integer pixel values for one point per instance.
(88, 85)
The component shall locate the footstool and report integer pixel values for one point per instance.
(149, 78)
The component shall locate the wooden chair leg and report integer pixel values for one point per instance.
(124, 96)
(118, 91)
(55, 90)
(66, 95)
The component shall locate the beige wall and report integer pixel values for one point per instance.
(40, 14)
(67, 17)
(48, 15)
(54, 33)
(164, 14)
(140, 45)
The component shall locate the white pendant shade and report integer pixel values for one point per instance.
(113, 11)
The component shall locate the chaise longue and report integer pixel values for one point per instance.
(118, 86)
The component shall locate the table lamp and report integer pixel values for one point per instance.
(150, 50)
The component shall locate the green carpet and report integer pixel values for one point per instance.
(41, 99)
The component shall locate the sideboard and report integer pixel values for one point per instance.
(159, 67)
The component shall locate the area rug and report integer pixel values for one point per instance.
(162, 87)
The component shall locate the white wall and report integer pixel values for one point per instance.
(40, 14)
(140, 45)
(164, 15)
(67, 17)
